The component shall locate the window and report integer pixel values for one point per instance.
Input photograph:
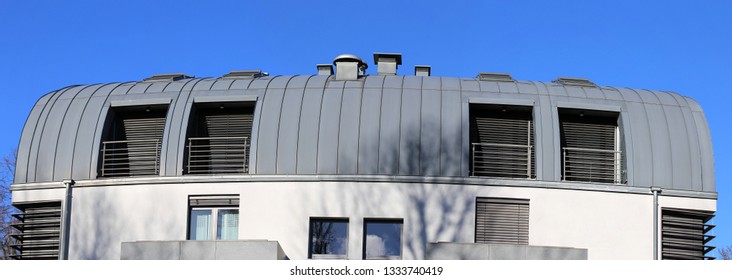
(132, 140)
(328, 238)
(501, 141)
(219, 138)
(684, 234)
(382, 239)
(502, 221)
(591, 146)
(214, 218)
(38, 231)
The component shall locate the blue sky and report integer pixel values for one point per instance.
(683, 46)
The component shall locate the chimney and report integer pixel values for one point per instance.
(387, 63)
(349, 67)
(325, 69)
(422, 70)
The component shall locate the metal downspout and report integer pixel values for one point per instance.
(66, 222)
(655, 191)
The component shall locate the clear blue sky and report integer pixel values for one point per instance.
(666, 45)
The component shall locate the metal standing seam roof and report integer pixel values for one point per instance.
(389, 125)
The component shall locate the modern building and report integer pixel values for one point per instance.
(350, 165)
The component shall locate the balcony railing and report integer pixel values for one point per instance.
(130, 158)
(502, 160)
(214, 155)
(592, 165)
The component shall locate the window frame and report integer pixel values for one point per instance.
(214, 208)
(399, 221)
(314, 256)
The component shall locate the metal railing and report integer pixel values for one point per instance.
(213, 155)
(592, 165)
(130, 158)
(502, 160)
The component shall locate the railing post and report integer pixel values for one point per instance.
(104, 157)
(528, 161)
(190, 147)
(472, 167)
(564, 164)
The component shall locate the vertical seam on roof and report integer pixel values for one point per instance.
(212, 84)
(259, 121)
(147, 87)
(688, 139)
(358, 136)
(668, 131)
(419, 126)
(43, 127)
(279, 126)
(648, 121)
(297, 143)
(462, 145)
(94, 146)
(33, 135)
(166, 86)
(338, 127)
(61, 126)
(320, 115)
(378, 138)
(168, 124)
(78, 126)
(439, 137)
(399, 138)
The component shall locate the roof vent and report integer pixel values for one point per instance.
(245, 74)
(574, 82)
(422, 70)
(325, 69)
(495, 77)
(167, 77)
(387, 63)
(349, 67)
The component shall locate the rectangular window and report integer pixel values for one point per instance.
(37, 231)
(685, 234)
(328, 238)
(219, 138)
(591, 146)
(382, 239)
(502, 221)
(213, 218)
(502, 141)
(132, 141)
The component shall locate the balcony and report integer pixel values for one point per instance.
(217, 155)
(130, 158)
(502, 160)
(592, 165)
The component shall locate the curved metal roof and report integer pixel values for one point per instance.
(390, 125)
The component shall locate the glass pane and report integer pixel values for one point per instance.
(200, 225)
(383, 239)
(328, 237)
(227, 225)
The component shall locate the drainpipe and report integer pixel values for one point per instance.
(655, 191)
(66, 222)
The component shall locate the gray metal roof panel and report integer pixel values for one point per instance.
(392, 125)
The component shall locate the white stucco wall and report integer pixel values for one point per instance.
(612, 225)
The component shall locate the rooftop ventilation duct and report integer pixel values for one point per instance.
(495, 77)
(325, 69)
(574, 82)
(167, 77)
(349, 67)
(387, 63)
(245, 74)
(422, 70)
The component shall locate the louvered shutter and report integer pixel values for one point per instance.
(213, 200)
(220, 141)
(134, 146)
(502, 143)
(39, 231)
(502, 221)
(684, 234)
(590, 149)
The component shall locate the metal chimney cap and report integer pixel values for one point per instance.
(350, 58)
(397, 57)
